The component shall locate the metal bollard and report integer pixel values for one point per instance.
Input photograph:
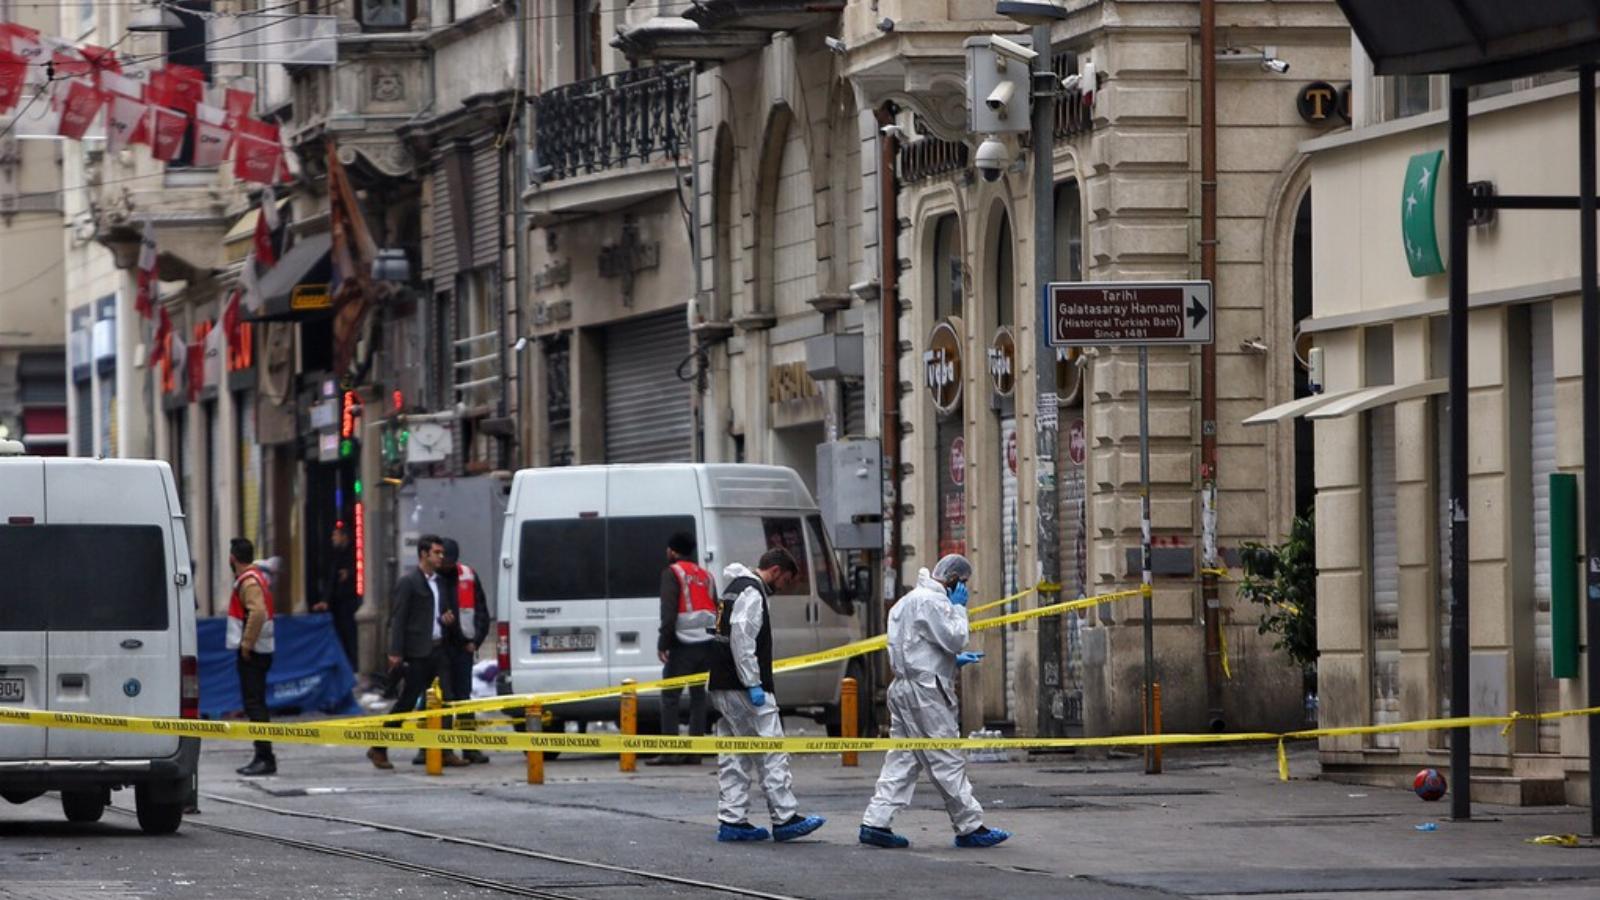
(848, 726)
(1154, 767)
(629, 722)
(535, 725)
(433, 755)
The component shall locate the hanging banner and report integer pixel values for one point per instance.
(78, 109)
(24, 42)
(126, 123)
(13, 75)
(256, 160)
(211, 135)
(167, 128)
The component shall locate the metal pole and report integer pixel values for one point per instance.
(1591, 411)
(512, 326)
(1211, 602)
(1045, 418)
(1152, 765)
(1460, 652)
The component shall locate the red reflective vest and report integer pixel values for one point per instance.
(467, 601)
(697, 603)
(237, 613)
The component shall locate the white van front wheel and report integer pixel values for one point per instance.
(156, 816)
(84, 806)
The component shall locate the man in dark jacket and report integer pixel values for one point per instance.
(463, 640)
(688, 614)
(337, 590)
(421, 614)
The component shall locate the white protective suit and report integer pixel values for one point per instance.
(741, 718)
(926, 631)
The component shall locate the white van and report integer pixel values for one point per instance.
(97, 615)
(582, 553)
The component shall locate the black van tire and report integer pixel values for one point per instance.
(157, 816)
(84, 806)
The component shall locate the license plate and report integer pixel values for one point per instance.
(11, 690)
(561, 643)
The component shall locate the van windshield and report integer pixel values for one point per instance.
(595, 559)
(84, 578)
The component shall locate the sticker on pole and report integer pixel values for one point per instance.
(1112, 313)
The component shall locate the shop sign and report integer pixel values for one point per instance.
(958, 461)
(941, 364)
(1003, 363)
(1320, 103)
(310, 297)
(790, 382)
(1418, 225)
(1011, 450)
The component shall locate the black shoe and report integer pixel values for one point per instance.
(261, 765)
(475, 756)
(665, 759)
(420, 758)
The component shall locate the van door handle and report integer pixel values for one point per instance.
(73, 682)
(628, 637)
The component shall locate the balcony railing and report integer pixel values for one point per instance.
(612, 121)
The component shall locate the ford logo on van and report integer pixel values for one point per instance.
(131, 687)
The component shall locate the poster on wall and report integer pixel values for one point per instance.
(952, 489)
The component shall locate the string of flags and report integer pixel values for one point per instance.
(163, 108)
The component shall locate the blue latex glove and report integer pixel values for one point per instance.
(959, 595)
(758, 697)
(967, 658)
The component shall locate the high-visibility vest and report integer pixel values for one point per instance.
(237, 612)
(467, 601)
(697, 604)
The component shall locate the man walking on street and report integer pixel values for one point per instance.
(250, 632)
(421, 614)
(338, 592)
(742, 691)
(688, 614)
(462, 641)
(927, 644)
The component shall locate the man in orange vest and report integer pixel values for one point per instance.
(688, 614)
(473, 620)
(250, 632)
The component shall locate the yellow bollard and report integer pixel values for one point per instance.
(847, 718)
(629, 722)
(534, 725)
(433, 755)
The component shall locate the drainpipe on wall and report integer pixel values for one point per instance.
(889, 304)
(511, 324)
(1211, 605)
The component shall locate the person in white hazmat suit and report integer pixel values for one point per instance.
(927, 644)
(741, 687)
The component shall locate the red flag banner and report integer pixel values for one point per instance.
(158, 344)
(352, 253)
(211, 136)
(100, 59)
(239, 97)
(195, 359)
(13, 75)
(256, 159)
(166, 133)
(24, 42)
(82, 103)
(262, 247)
(126, 123)
(67, 62)
(189, 84)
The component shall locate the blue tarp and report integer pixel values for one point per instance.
(309, 671)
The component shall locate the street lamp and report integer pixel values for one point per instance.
(154, 19)
(1040, 15)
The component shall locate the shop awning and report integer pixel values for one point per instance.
(1427, 36)
(1371, 398)
(300, 286)
(1295, 408)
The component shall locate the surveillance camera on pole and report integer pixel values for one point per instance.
(999, 98)
(992, 158)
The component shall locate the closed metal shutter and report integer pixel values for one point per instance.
(1385, 574)
(1010, 530)
(1441, 501)
(445, 260)
(855, 410)
(1542, 455)
(794, 227)
(485, 203)
(647, 412)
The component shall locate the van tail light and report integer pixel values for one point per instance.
(189, 681)
(502, 636)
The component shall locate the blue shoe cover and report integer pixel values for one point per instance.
(983, 837)
(744, 831)
(797, 828)
(883, 837)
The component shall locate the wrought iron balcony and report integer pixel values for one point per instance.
(613, 121)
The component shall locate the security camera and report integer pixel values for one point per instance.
(892, 132)
(886, 26)
(991, 159)
(999, 99)
(1005, 49)
(836, 45)
(1274, 65)
(1070, 82)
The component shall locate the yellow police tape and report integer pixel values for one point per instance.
(520, 702)
(334, 733)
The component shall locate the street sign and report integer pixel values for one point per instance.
(1130, 313)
